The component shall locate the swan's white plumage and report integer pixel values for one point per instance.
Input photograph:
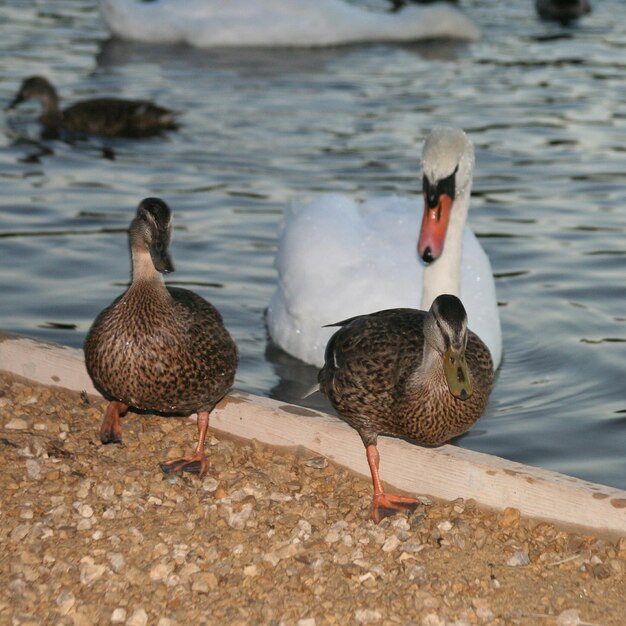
(338, 258)
(205, 23)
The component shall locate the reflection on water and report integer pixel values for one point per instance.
(544, 105)
(255, 63)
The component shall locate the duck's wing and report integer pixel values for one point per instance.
(115, 116)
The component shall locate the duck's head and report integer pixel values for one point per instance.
(445, 330)
(151, 231)
(35, 88)
(447, 167)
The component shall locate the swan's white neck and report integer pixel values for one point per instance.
(444, 274)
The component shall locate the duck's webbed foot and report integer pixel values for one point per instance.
(111, 427)
(384, 505)
(194, 464)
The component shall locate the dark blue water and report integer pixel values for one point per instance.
(544, 105)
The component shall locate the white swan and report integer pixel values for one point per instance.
(205, 23)
(337, 258)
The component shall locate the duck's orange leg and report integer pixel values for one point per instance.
(111, 427)
(195, 463)
(384, 505)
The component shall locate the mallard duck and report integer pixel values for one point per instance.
(407, 373)
(564, 11)
(99, 116)
(159, 348)
(338, 258)
(204, 23)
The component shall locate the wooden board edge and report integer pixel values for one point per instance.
(446, 472)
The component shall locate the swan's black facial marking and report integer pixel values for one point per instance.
(432, 192)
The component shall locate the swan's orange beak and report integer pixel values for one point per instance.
(434, 227)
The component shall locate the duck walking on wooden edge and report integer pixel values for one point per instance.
(98, 116)
(407, 373)
(159, 348)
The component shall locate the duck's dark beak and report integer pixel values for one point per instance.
(457, 374)
(161, 257)
(14, 102)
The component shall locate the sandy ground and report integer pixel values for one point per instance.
(95, 534)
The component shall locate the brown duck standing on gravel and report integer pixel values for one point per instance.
(407, 373)
(100, 116)
(159, 348)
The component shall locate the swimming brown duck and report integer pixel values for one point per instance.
(159, 348)
(407, 373)
(563, 11)
(99, 116)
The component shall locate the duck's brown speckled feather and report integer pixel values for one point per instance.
(163, 349)
(369, 361)
(97, 116)
(114, 116)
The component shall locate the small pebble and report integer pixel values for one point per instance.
(116, 559)
(391, 544)
(65, 601)
(16, 423)
(33, 469)
(138, 618)
(90, 572)
(367, 616)
(510, 517)
(118, 616)
(569, 617)
(519, 559)
(160, 572)
(318, 462)
(444, 526)
(19, 532)
(85, 511)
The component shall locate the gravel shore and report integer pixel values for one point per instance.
(95, 534)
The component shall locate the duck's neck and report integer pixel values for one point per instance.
(444, 274)
(428, 371)
(50, 114)
(143, 270)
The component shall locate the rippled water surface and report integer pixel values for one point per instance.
(544, 105)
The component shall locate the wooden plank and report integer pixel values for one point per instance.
(45, 363)
(446, 472)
